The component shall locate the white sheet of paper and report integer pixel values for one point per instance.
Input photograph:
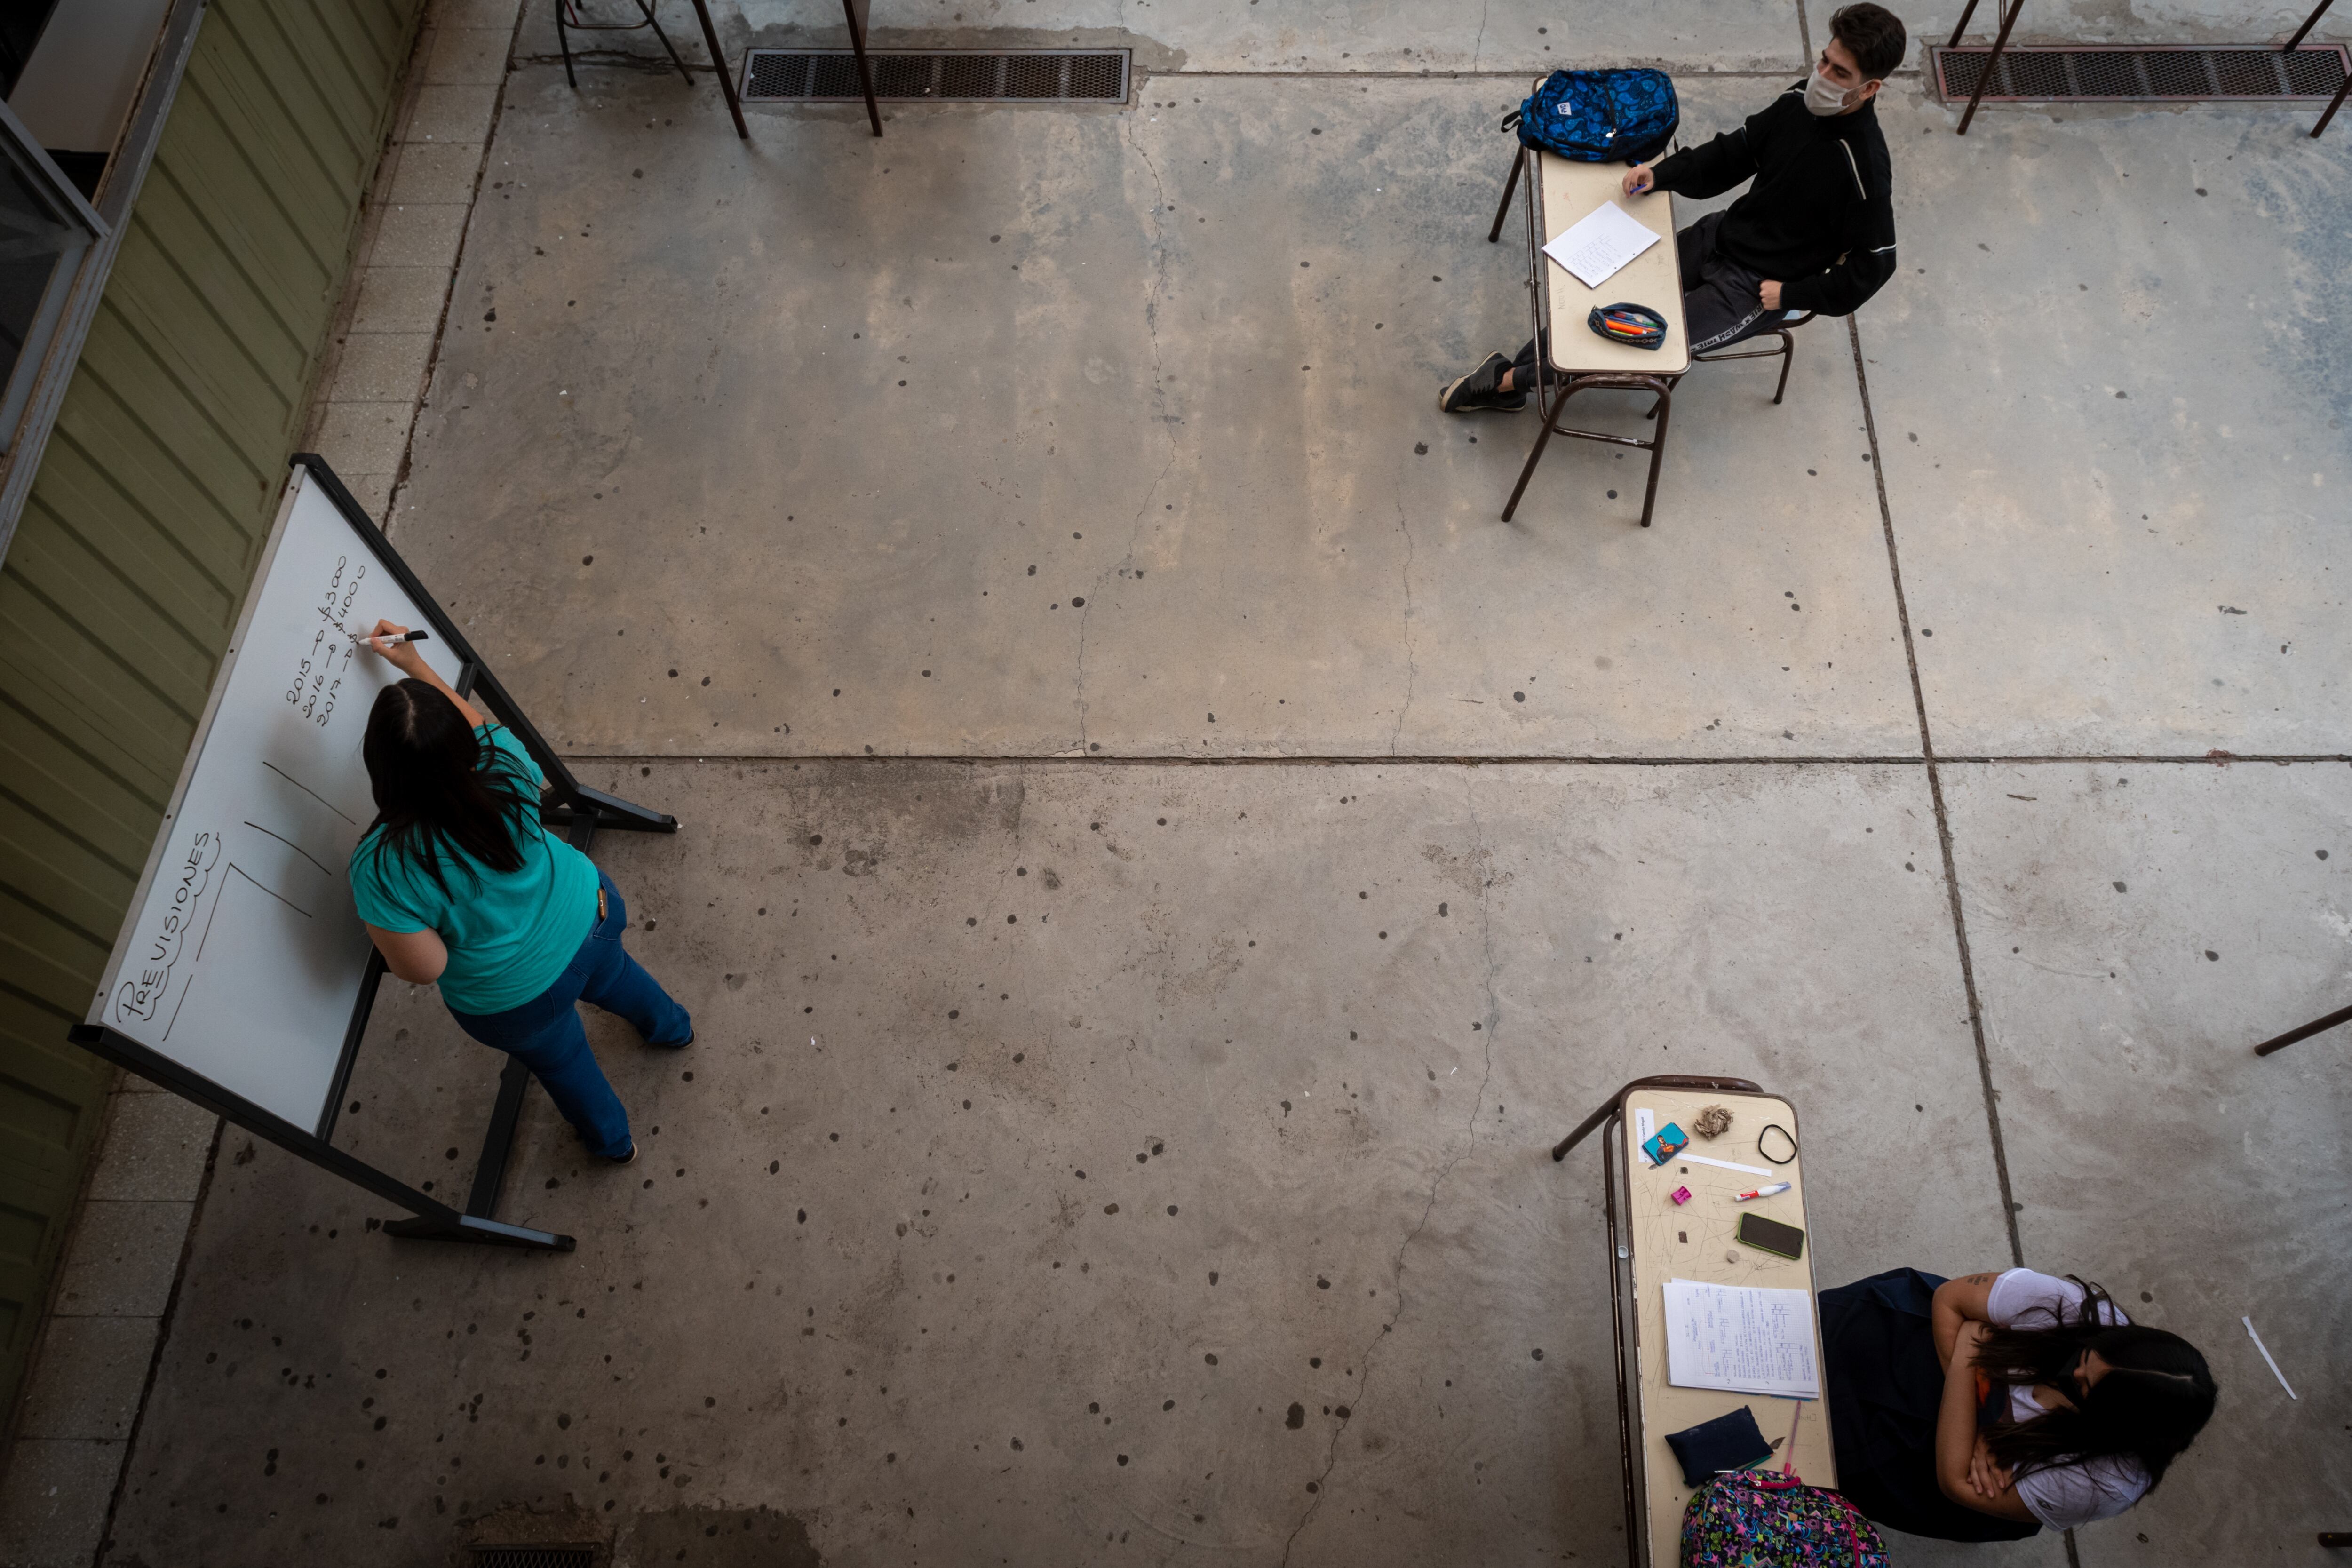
(1595, 247)
(1741, 1338)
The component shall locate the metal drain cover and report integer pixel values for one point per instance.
(2124, 73)
(532, 1557)
(938, 76)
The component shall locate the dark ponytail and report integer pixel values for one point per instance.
(2155, 1396)
(439, 787)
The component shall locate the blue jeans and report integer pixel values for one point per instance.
(545, 1031)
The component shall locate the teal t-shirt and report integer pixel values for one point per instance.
(510, 934)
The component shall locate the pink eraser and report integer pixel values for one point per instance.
(1681, 1196)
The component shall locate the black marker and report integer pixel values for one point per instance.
(402, 637)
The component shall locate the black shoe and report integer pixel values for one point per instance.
(628, 1159)
(673, 1045)
(1476, 393)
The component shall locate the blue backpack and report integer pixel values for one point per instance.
(1599, 117)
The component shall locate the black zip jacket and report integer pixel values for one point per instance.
(1820, 216)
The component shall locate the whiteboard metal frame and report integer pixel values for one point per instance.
(569, 805)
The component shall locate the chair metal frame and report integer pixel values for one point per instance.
(563, 31)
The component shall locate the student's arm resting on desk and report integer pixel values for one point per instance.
(1709, 169)
(1963, 1470)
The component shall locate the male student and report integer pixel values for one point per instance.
(1816, 232)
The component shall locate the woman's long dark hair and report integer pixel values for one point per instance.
(439, 786)
(2154, 1399)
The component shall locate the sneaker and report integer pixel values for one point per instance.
(1476, 393)
(674, 1044)
(628, 1159)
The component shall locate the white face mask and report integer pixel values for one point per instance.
(1823, 96)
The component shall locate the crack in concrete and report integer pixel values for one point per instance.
(1480, 860)
(1160, 404)
(1479, 47)
(1411, 667)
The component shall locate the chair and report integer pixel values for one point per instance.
(1785, 331)
(567, 21)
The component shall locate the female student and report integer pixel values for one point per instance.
(458, 882)
(1985, 1408)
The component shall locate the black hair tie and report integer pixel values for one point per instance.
(1776, 1127)
(1635, 326)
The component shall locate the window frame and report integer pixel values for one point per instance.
(38, 380)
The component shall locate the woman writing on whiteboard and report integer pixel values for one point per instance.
(1986, 1408)
(459, 883)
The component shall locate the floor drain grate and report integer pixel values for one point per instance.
(532, 1557)
(2122, 73)
(938, 76)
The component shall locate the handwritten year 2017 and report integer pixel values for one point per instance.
(318, 674)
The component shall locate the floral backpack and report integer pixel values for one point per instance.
(1746, 1520)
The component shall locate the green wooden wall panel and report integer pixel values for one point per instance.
(59, 871)
(45, 961)
(300, 168)
(203, 440)
(259, 354)
(249, 210)
(139, 539)
(36, 1063)
(134, 527)
(241, 300)
(78, 858)
(73, 672)
(51, 1100)
(165, 658)
(316, 86)
(110, 441)
(78, 793)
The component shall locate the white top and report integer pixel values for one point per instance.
(2064, 1496)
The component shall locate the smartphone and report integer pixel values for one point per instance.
(1771, 1235)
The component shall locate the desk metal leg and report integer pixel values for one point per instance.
(725, 73)
(1543, 437)
(1657, 451)
(856, 12)
(2335, 104)
(1494, 235)
(1992, 61)
(2308, 23)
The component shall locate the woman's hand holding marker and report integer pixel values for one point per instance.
(397, 645)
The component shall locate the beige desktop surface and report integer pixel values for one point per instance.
(1573, 191)
(1691, 1242)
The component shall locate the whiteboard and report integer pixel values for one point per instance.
(243, 957)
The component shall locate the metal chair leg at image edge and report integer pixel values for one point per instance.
(645, 9)
(2305, 1032)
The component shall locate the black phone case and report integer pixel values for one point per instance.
(1747, 1240)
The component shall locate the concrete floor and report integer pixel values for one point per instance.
(1071, 1115)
